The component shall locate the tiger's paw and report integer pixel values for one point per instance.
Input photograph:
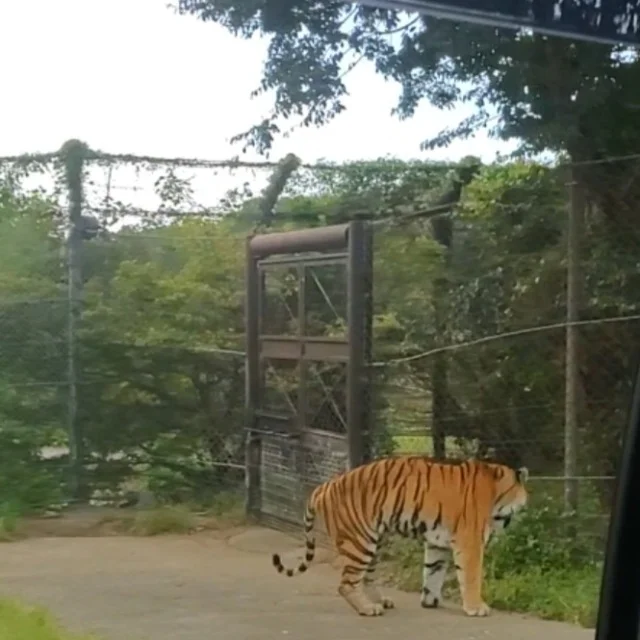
(480, 610)
(378, 598)
(359, 600)
(372, 609)
(428, 600)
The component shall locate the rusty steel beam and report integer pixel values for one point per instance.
(331, 238)
(318, 349)
(312, 260)
(253, 382)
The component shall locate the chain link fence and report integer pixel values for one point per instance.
(507, 327)
(505, 322)
(121, 328)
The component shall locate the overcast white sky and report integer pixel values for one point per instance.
(130, 76)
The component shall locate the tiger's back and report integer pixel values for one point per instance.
(451, 506)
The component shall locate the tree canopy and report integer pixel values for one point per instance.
(160, 336)
(549, 93)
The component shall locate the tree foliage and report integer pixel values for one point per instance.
(32, 349)
(574, 99)
(161, 333)
(549, 93)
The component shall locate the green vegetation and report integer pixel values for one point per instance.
(421, 444)
(149, 365)
(172, 519)
(565, 595)
(159, 305)
(160, 339)
(502, 73)
(9, 522)
(182, 519)
(536, 567)
(160, 329)
(18, 622)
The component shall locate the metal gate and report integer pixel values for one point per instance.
(308, 340)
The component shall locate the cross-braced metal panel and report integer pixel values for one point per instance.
(306, 364)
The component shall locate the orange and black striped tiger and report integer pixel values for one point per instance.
(450, 506)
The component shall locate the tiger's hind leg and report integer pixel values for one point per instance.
(372, 589)
(357, 559)
(434, 570)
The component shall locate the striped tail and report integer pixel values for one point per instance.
(310, 542)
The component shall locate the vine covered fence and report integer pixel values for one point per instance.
(121, 309)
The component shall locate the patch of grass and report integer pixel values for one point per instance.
(169, 519)
(151, 522)
(18, 622)
(420, 443)
(567, 595)
(225, 510)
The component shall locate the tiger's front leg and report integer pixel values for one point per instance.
(434, 570)
(468, 555)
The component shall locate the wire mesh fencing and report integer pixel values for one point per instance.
(506, 328)
(504, 322)
(121, 309)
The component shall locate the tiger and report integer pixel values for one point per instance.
(453, 507)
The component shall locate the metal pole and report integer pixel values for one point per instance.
(73, 153)
(367, 377)
(359, 329)
(572, 370)
(253, 447)
(303, 381)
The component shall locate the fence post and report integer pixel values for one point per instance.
(572, 349)
(253, 444)
(359, 288)
(368, 417)
(73, 155)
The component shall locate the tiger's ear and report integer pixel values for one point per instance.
(522, 474)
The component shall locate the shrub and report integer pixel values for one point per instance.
(9, 521)
(27, 483)
(169, 519)
(542, 539)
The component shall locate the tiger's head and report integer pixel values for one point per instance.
(510, 495)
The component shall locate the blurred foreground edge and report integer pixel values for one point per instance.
(619, 610)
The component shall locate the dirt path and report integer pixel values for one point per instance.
(222, 586)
